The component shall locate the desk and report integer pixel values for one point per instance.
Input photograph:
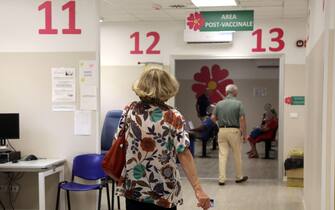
(44, 168)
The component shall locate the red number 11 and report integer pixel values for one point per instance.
(71, 6)
(48, 20)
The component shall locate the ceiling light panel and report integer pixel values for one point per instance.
(213, 3)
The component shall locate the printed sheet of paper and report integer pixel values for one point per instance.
(87, 72)
(63, 84)
(82, 123)
(88, 85)
(88, 97)
(63, 89)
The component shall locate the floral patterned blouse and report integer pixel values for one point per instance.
(155, 134)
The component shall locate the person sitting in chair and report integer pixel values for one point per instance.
(263, 133)
(207, 130)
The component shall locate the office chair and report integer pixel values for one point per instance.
(87, 166)
(268, 144)
(109, 128)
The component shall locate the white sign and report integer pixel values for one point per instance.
(87, 72)
(82, 123)
(63, 84)
(88, 97)
(63, 89)
(88, 85)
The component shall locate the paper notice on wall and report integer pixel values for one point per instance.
(63, 89)
(87, 72)
(82, 123)
(88, 97)
(63, 107)
(63, 84)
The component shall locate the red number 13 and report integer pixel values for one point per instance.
(277, 39)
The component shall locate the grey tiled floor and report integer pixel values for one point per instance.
(253, 195)
(262, 192)
(254, 168)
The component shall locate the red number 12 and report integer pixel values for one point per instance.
(71, 6)
(150, 49)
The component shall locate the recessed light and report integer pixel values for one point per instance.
(101, 20)
(214, 3)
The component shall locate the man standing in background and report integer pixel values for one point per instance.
(203, 103)
(230, 116)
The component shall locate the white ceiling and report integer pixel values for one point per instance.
(160, 10)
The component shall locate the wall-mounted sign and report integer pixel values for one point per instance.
(295, 100)
(242, 20)
(277, 40)
(48, 29)
(151, 50)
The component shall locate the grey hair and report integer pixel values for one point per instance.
(230, 89)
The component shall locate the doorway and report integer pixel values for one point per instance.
(259, 82)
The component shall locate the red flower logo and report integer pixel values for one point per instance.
(288, 100)
(216, 81)
(195, 21)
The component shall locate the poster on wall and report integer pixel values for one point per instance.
(82, 123)
(242, 20)
(88, 85)
(63, 89)
(87, 72)
(88, 97)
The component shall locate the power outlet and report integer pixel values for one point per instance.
(14, 188)
(3, 188)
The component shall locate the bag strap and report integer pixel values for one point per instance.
(124, 128)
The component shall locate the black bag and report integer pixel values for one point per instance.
(294, 163)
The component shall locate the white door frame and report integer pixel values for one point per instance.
(281, 58)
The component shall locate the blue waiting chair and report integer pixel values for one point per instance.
(109, 128)
(87, 166)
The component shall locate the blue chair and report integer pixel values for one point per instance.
(87, 166)
(109, 128)
(107, 135)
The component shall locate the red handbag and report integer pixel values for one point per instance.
(115, 159)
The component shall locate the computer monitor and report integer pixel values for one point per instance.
(9, 127)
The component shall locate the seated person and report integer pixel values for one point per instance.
(268, 108)
(205, 131)
(265, 132)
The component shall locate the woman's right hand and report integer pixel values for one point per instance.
(203, 199)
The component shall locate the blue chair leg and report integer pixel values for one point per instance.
(99, 203)
(108, 198)
(68, 200)
(57, 201)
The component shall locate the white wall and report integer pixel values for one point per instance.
(116, 46)
(319, 171)
(117, 36)
(20, 21)
(25, 87)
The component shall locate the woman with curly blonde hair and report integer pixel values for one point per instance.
(156, 137)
